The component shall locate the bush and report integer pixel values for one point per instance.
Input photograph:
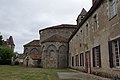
(6, 54)
(16, 63)
(5, 62)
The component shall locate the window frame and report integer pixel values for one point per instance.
(87, 29)
(81, 59)
(72, 61)
(97, 57)
(95, 23)
(116, 53)
(77, 60)
(112, 8)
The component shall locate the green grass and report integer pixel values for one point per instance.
(24, 73)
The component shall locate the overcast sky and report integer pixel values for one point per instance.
(23, 19)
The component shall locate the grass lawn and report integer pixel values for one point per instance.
(24, 73)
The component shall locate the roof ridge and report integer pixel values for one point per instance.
(33, 43)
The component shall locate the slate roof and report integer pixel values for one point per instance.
(33, 43)
(56, 38)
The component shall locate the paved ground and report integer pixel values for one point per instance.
(79, 75)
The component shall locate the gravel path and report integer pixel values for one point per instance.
(80, 75)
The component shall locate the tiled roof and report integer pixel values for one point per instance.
(33, 43)
(56, 38)
(35, 56)
(61, 26)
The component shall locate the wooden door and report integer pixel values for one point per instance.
(87, 62)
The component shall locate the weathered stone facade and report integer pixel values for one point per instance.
(32, 60)
(32, 53)
(95, 45)
(32, 47)
(54, 44)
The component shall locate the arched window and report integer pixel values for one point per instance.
(52, 50)
(34, 50)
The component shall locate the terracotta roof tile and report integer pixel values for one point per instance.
(33, 43)
(35, 56)
(56, 38)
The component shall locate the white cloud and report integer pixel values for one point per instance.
(24, 18)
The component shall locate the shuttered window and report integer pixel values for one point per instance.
(77, 60)
(81, 59)
(114, 53)
(110, 54)
(96, 57)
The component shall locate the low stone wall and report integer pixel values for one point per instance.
(107, 75)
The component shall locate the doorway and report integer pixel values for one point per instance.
(87, 62)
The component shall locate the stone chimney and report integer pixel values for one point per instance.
(93, 1)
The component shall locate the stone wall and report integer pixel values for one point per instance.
(55, 53)
(32, 50)
(62, 31)
(108, 29)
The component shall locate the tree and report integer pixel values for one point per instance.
(6, 54)
(1, 41)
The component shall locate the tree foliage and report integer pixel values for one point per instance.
(5, 54)
(1, 40)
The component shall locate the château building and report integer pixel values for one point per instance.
(95, 46)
